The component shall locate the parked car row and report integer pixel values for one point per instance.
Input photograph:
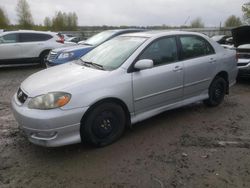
(119, 82)
(241, 36)
(66, 54)
(240, 41)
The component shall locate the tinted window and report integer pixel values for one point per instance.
(162, 51)
(33, 37)
(193, 46)
(9, 38)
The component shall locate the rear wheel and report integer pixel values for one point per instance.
(43, 58)
(103, 125)
(217, 91)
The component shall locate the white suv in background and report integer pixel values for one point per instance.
(26, 47)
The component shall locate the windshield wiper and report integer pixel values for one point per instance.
(87, 44)
(88, 64)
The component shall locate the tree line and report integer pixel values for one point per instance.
(63, 21)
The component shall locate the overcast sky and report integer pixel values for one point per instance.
(132, 12)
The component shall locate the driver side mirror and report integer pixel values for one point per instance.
(144, 64)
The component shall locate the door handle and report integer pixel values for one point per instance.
(177, 68)
(212, 60)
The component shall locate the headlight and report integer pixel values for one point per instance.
(49, 101)
(65, 55)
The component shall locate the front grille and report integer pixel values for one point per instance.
(243, 50)
(244, 55)
(242, 64)
(52, 56)
(21, 96)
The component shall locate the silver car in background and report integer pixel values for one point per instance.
(123, 81)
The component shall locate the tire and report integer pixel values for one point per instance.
(216, 92)
(43, 58)
(103, 125)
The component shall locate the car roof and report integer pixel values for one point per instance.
(159, 33)
(128, 30)
(28, 31)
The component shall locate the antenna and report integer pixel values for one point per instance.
(186, 20)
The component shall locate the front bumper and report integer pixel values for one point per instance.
(244, 67)
(49, 64)
(50, 128)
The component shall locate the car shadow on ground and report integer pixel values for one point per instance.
(137, 131)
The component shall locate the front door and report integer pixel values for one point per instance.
(163, 84)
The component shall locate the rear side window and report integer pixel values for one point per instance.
(194, 46)
(9, 38)
(34, 37)
(161, 51)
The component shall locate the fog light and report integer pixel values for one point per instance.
(44, 135)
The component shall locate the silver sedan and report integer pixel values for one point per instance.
(123, 81)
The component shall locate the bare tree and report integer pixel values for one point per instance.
(25, 19)
(197, 23)
(246, 12)
(64, 21)
(233, 21)
(47, 23)
(4, 21)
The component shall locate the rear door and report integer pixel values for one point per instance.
(10, 47)
(33, 43)
(199, 61)
(163, 84)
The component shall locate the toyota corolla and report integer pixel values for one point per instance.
(123, 81)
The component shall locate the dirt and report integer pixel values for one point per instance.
(193, 146)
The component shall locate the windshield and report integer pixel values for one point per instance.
(112, 54)
(99, 38)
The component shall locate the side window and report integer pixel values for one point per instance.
(162, 51)
(9, 38)
(34, 37)
(193, 46)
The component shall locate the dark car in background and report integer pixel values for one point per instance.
(63, 55)
(241, 40)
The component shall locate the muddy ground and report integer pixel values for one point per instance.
(193, 146)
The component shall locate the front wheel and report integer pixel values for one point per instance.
(103, 125)
(217, 91)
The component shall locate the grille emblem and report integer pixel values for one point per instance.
(20, 94)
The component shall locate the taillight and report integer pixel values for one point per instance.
(237, 56)
(60, 40)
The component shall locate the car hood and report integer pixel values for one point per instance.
(241, 35)
(59, 78)
(72, 48)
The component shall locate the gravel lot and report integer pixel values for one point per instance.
(193, 146)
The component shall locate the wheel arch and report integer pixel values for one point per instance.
(46, 50)
(110, 100)
(224, 75)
